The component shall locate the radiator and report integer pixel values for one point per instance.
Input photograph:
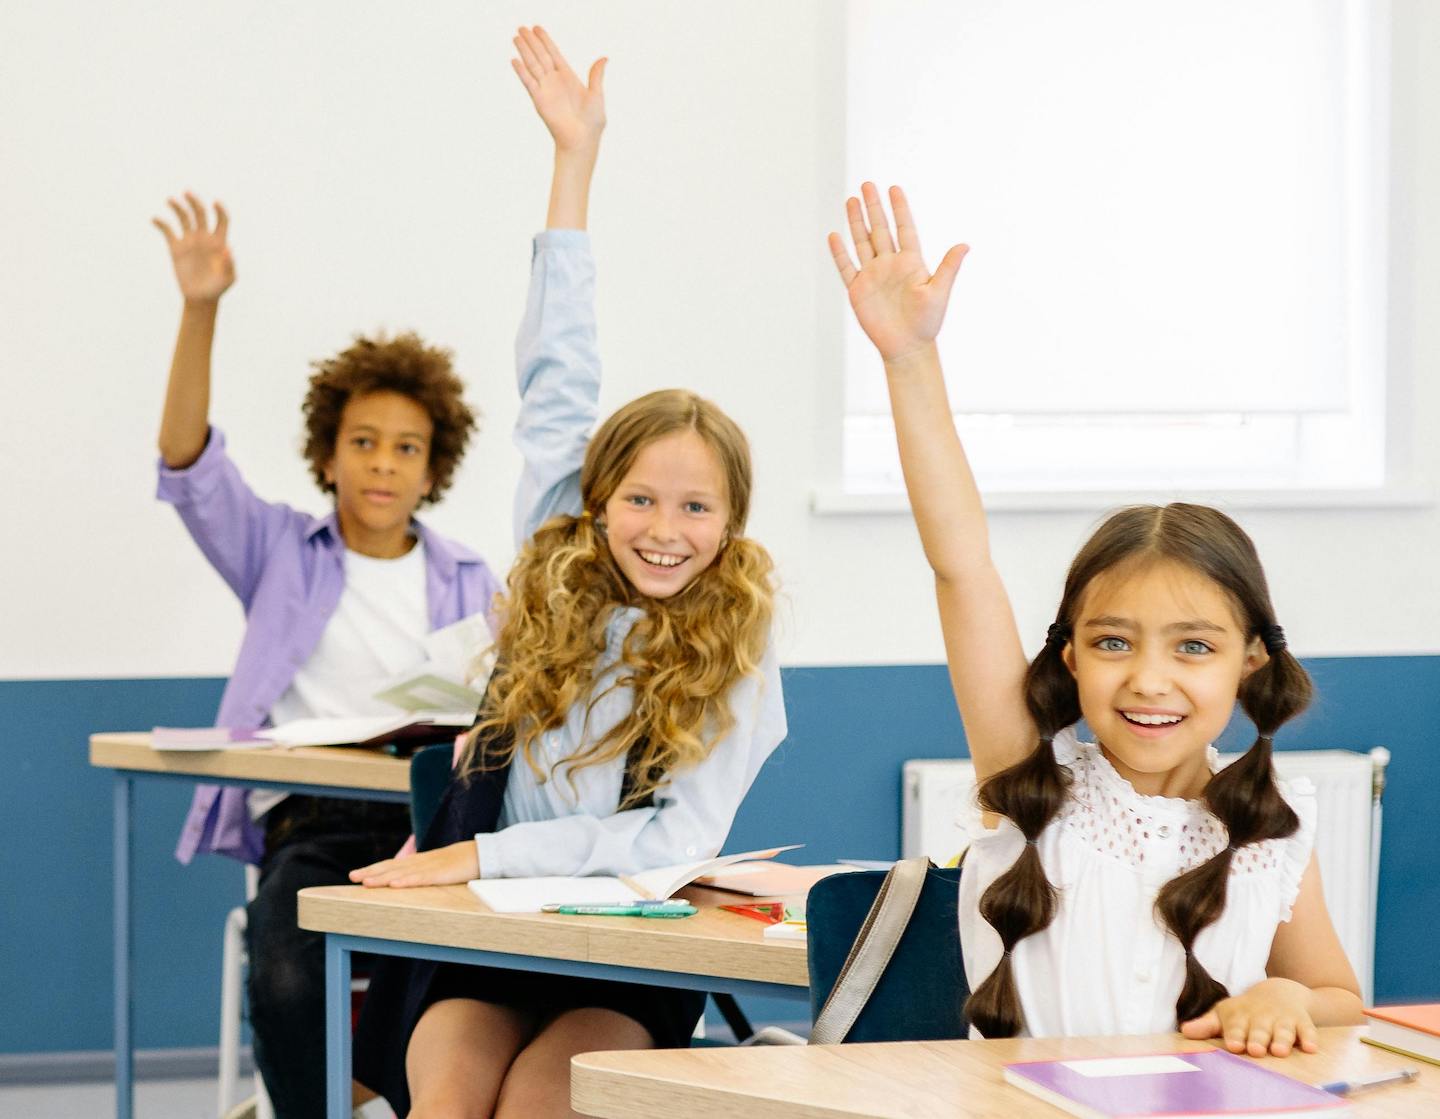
(1348, 788)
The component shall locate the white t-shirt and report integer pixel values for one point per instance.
(377, 632)
(1107, 964)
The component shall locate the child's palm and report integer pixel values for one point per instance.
(204, 266)
(572, 110)
(897, 301)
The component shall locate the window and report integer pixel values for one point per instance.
(1177, 219)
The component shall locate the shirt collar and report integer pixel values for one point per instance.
(444, 555)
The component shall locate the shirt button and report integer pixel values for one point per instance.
(1142, 975)
(690, 851)
(1163, 831)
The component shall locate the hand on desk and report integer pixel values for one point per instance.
(443, 866)
(1272, 1017)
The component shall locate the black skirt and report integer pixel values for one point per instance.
(402, 989)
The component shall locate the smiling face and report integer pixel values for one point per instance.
(380, 470)
(666, 521)
(1158, 654)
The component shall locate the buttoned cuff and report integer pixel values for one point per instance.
(185, 484)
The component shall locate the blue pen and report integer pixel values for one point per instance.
(1350, 1087)
(642, 910)
(643, 903)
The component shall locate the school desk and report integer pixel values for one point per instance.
(711, 951)
(319, 771)
(926, 1079)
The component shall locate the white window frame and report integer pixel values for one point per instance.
(1323, 460)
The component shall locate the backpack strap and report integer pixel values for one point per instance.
(870, 954)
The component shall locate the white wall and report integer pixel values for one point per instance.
(384, 169)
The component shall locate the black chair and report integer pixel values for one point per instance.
(921, 994)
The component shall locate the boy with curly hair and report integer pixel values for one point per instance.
(335, 607)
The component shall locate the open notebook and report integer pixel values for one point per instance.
(530, 895)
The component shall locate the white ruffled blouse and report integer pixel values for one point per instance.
(1107, 964)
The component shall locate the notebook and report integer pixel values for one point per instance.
(530, 895)
(1412, 1030)
(1169, 1085)
(764, 879)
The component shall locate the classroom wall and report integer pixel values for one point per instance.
(385, 170)
(858, 722)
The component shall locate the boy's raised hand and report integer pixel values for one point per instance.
(204, 267)
(573, 111)
(898, 302)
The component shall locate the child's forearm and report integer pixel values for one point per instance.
(943, 495)
(570, 187)
(185, 422)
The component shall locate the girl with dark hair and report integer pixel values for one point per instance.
(1130, 884)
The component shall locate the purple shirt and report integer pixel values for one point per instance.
(288, 570)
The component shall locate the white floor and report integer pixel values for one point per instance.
(154, 1099)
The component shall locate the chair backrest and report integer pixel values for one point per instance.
(429, 774)
(922, 993)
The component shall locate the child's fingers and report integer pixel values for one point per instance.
(905, 231)
(1207, 1025)
(531, 85)
(556, 58)
(1257, 1042)
(170, 237)
(948, 269)
(202, 223)
(1307, 1036)
(858, 233)
(363, 872)
(596, 81)
(528, 55)
(1282, 1039)
(222, 221)
(843, 264)
(879, 224)
(185, 223)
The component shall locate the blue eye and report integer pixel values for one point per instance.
(638, 499)
(1195, 648)
(696, 507)
(1112, 645)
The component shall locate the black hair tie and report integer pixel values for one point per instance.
(1057, 634)
(1273, 637)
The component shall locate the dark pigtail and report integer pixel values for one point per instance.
(1022, 901)
(1245, 799)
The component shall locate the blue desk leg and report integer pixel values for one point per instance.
(337, 1028)
(124, 1015)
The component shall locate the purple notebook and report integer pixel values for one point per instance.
(1156, 1085)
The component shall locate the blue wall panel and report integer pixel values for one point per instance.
(834, 785)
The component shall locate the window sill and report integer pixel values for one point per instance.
(833, 501)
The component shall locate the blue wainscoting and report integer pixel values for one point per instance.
(835, 784)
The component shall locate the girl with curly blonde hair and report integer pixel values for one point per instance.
(636, 693)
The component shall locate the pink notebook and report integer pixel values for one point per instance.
(1171, 1085)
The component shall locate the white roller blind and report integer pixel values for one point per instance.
(1172, 206)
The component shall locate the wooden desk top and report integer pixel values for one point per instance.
(333, 766)
(925, 1079)
(712, 942)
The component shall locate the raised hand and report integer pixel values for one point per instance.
(899, 303)
(204, 268)
(573, 111)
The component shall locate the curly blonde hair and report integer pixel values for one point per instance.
(681, 657)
